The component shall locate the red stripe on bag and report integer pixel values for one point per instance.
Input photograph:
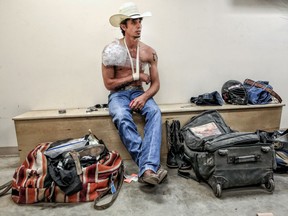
(73, 198)
(83, 193)
(92, 193)
(59, 195)
(32, 195)
(89, 174)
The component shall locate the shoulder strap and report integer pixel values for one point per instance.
(119, 181)
(5, 187)
(259, 85)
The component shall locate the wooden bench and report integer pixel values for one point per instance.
(38, 126)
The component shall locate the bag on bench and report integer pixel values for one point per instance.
(68, 171)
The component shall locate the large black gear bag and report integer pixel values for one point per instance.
(224, 158)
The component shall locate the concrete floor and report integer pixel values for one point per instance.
(176, 196)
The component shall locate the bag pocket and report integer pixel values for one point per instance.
(231, 139)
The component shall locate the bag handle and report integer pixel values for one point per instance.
(5, 187)
(120, 179)
(259, 85)
(244, 159)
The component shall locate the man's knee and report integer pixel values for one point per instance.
(154, 112)
(120, 116)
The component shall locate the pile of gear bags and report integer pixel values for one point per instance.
(207, 149)
(238, 93)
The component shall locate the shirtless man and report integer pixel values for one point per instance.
(123, 66)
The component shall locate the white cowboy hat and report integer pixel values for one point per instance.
(128, 10)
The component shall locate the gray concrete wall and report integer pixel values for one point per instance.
(50, 50)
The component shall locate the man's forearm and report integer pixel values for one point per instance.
(152, 90)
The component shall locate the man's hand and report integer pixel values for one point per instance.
(145, 78)
(138, 103)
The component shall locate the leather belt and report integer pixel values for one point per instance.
(260, 85)
(130, 87)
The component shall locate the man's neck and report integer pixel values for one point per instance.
(131, 42)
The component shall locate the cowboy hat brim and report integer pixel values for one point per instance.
(116, 19)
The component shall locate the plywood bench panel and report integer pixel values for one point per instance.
(39, 126)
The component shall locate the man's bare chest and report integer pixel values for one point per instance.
(115, 54)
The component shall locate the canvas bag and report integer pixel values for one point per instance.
(209, 99)
(203, 162)
(224, 158)
(260, 92)
(32, 181)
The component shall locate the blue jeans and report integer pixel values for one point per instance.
(145, 152)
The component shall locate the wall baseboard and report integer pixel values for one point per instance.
(11, 151)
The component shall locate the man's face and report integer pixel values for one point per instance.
(133, 28)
